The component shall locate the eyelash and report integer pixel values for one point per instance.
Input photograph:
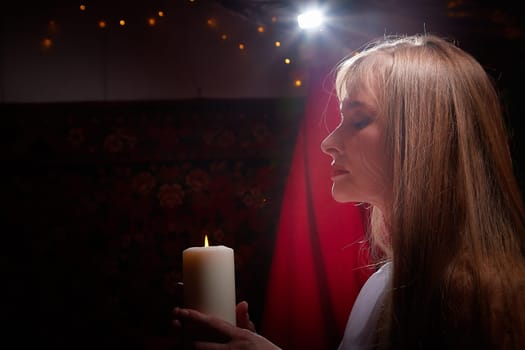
(361, 124)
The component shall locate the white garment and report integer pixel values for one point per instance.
(362, 323)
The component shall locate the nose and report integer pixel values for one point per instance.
(329, 145)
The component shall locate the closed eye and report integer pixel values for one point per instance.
(356, 123)
(356, 114)
(362, 123)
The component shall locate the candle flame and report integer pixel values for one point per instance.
(206, 241)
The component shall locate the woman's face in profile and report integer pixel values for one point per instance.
(357, 147)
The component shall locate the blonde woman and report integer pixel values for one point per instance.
(421, 140)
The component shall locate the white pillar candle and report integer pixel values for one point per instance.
(208, 274)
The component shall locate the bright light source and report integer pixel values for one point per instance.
(310, 19)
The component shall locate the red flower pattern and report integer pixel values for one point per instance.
(129, 187)
(170, 196)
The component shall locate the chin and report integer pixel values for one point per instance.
(341, 197)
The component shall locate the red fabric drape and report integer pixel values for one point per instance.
(319, 258)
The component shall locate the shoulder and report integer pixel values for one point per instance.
(362, 323)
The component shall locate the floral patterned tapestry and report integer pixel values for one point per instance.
(102, 198)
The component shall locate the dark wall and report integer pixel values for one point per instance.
(101, 199)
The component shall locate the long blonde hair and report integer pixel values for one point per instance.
(455, 227)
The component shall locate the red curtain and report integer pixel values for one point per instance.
(320, 259)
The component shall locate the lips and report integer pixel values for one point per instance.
(339, 172)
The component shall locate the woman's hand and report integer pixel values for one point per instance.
(206, 332)
(243, 318)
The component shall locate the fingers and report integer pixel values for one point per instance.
(180, 287)
(208, 324)
(205, 332)
(243, 317)
(179, 293)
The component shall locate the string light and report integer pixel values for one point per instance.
(298, 83)
(52, 26)
(47, 43)
(212, 22)
(152, 21)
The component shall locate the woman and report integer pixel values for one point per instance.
(422, 140)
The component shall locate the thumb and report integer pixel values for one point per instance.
(179, 294)
(243, 318)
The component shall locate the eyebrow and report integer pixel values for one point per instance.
(355, 104)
